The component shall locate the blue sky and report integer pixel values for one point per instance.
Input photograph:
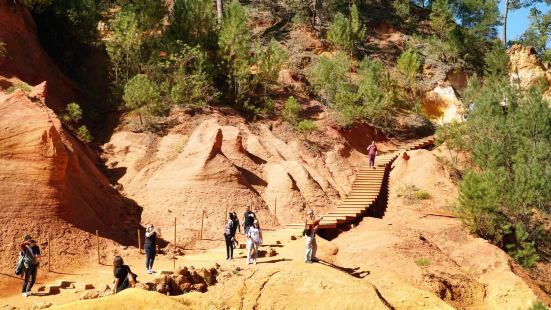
(518, 20)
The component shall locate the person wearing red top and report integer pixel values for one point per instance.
(311, 228)
(372, 152)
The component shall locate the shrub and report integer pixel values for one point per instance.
(141, 95)
(409, 64)
(538, 305)
(345, 33)
(83, 134)
(72, 113)
(402, 8)
(306, 126)
(3, 49)
(329, 76)
(339, 33)
(441, 18)
(124, 48)
(193, 22)
(269, 62)
(423, 262)
(19, 85)
(291, 110)
(422, 195)
(235, 44)
(523, 250)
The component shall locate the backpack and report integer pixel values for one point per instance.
(28, 257)
(306, 232)
(19, 264)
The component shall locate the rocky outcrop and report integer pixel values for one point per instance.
(26, 62)
(442, 105)
(49, 182)
(218, 166)
(527, 69)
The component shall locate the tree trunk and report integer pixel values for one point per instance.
(219, 10)
(317, 13)
(505, 13)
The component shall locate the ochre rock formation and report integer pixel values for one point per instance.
(49, 182)
(527, 69)
(442, 104)
(26, 61)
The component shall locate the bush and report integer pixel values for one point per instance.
(141, 95)
(72, 113)
(306, 126)
(235, 45)
(441, 18)
(409, 65)
(402, 8)
(509, 181)
(124, 48)
(269, 62)
(19, 85)
(345, 33)
(422, 195)
(193, 22)
(329, 76)
(3, 49)
(423, 262)
(83, 134)
(291, 110)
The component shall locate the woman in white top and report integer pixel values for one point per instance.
(254, 239)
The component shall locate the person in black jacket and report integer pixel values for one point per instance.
(248, 219)
(123, 275)
(229, 229)
(150, 247)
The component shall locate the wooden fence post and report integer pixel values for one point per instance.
(49, 251)
(97, 242)
(139, 242)
(174, 259)
(202, 218)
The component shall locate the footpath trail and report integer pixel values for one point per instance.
(367, 195)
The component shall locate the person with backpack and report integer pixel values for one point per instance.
(236, 226)
(310, 230)
(150, 247)
(372, 152)
(229, 232)
(124, 278)
(29, 260)
(248, 219)
(254, 240)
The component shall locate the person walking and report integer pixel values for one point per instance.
(124, 278)
(150, 247)
(228, 237)
(30, 254)
(254, 240)
(248, 219)
(310, 230)
(372, 152)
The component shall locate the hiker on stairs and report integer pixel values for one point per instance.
(310, 230)
(372, 152)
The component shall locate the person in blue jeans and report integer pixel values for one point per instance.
(30, 253)
(150, 247)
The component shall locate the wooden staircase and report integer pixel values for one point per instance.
(366, 189)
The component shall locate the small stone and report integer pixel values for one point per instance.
(200, 287)
(186, 287)
(293, 238)
(42, 288)
(271, 252)
(124, 247)
(278, 242)
(83, 286)
(105, 288)
(90, 295)
(242, 246)
(44, 305)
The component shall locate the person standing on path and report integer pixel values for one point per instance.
(372, 152)
(30, 253)
(236, 226)
(310, 230)
(248, 219)
(254, 240)
(150, 247)
(229, 232)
